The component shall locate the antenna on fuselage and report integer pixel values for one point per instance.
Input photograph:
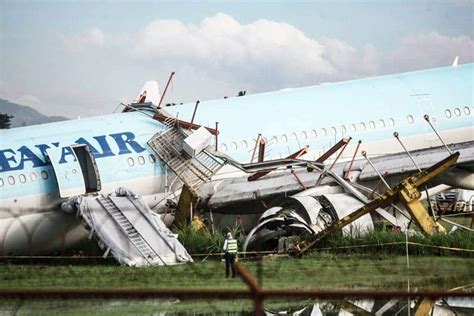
(427, 119)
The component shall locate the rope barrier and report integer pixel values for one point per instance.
(214, 254)
(397, 243)
(441, 247)
(255, 252)
(459, 288)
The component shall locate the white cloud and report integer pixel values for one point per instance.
(265, 55)
(426, 50)
(217, 56)
(349, 61)
(78, 42)
(221, 44)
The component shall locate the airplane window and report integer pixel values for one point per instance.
(382, 123)
(324, 132)
(1, 182)
(457, 111)
(391, 122)
(467, 110)
(244, 144)
(333, 131)
(343, 129)
(304, 135)
(353, 127)
(141, 160)
(130, 162)
(152, 158)
(293, 136)
(275, 139)
(234, 145)
(224, 147)
(264, 140)
(284, 138)
(44, 175)
(314, 134)
(22, 178)
(410, 119)
(362, 126)
(448, 113)
(372, 124)
(33, 176)
(11, 180)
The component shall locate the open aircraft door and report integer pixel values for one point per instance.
(75, 170)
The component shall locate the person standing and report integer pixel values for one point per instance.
(230, 249)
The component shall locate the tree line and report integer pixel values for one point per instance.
(5, 120)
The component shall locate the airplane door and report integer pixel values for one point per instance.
(67, 170)
(425, 106)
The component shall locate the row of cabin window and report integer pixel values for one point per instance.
(313, 133)
(23, 178)
(457, 111)
(44, 174)
(333, 131)
(141, 160)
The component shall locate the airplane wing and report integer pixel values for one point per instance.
(225, 192)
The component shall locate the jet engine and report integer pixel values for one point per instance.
(304, 214)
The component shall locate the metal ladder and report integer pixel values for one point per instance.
(193, 171)
(127, 227)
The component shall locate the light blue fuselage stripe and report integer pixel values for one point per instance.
(117, 138)
(336, 104)
(241, 118)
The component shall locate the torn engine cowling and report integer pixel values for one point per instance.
(304, 214)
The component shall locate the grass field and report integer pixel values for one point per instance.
(375, 242)
(319, 270)
(380, 264)
(323, 270)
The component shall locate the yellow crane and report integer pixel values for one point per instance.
(407, 193)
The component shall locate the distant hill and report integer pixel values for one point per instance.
(24, 115)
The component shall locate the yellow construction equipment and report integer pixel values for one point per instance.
(423, 306)
(186, 203)
(407, 193)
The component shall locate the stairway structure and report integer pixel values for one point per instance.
(193, 171)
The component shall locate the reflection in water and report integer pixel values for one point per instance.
(419, 306)
(449, 306)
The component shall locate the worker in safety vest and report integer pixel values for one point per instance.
(230, 248)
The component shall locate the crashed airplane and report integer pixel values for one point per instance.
(277, 164)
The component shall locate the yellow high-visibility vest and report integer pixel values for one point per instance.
(231, 246)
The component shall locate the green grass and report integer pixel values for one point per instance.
(205, 242)
(320, 270)
(393, 243)
(202, 241)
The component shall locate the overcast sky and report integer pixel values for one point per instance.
(76, 58)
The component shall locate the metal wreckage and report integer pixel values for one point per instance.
(310, 199)
(284, 205)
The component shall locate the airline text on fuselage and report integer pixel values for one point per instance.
(13, 160)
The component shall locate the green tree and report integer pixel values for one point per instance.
(5, 120)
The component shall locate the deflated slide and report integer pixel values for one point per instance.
(126, 228)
